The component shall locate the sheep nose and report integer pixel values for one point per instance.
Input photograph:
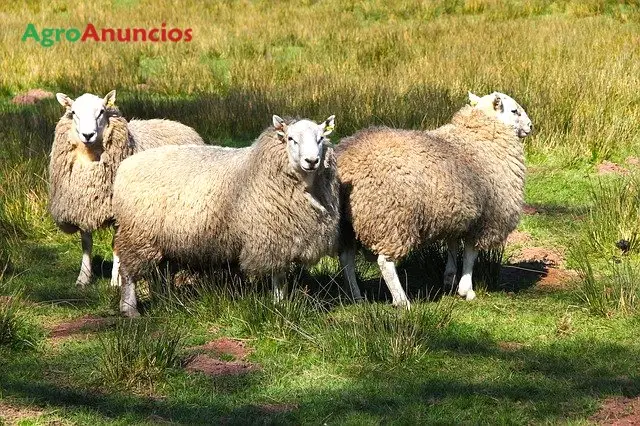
(312, 162)
(88, 136)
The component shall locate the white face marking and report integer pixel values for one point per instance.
(305, 142)
(505, 109)
(89, 118)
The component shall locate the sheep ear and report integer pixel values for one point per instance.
(64, 100)
(280, 126)
(473, 99)
(110, 99)
(497, 103)
(328, 125)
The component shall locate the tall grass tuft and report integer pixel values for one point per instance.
(139, 353)
(16, 331)
(607, 257)
(613, 216)
(615, 290)
(383, 334)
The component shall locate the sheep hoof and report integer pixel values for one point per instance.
(82, 283)
(130, 313)
(470, 295)
(402, 304)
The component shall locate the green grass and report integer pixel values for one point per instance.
(530, 355)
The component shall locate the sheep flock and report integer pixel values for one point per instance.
(291, 197)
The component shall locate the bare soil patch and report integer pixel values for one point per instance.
(215, 368)
(31, 97)
(619, 411)
(83, 325)
(537, 266)
(546, 256)
(238, 349)
(608, 168)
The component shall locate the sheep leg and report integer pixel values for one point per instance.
(115, 271)
(451, 269)
(128, 301)
(465, 288)
(390, 276)
(348, 264)
(85, 275)
(279, 282)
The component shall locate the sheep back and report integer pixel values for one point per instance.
(157, 132)
(405, 188)
(81, 177)
(212, 205)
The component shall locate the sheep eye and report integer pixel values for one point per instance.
(321, 139)
(516, 112)
(101, 112)
(293, 140)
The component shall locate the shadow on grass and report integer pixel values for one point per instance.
(466, 378)
(422, 275)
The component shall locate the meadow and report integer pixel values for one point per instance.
(550, 339)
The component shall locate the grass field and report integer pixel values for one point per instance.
(548, 346)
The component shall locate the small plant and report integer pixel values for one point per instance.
(138, 354)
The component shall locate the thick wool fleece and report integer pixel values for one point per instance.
(211, 205)
(80, 176)
(157, 132)
(404, 188)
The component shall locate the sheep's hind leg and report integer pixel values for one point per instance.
(85, 275)
(390, 276)
(348, 264)
(451, 269)
(279, 286)
(115, 271)
(128, 301)
(465, 288)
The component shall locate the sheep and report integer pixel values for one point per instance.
(91, 139)
(260, 208)
(404, 188)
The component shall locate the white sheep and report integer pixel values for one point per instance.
(91, 139)
(262, 208)
(405, 188)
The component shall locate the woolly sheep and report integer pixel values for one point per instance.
(91, 139)
(405, 188)
(261, 207)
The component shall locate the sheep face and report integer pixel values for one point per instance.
(89, 115)
(505, 109)
(305, 141)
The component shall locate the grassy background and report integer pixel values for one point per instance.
(533, 356)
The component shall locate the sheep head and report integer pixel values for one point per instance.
(505, 109)
(305, 141)
(89, 113)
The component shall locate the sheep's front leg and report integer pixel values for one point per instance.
(390, 276)
(465, 288)
(451, 269)
(128, 301)
(279, 282)
(348, 265)
(115, 271)
(85, 275)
